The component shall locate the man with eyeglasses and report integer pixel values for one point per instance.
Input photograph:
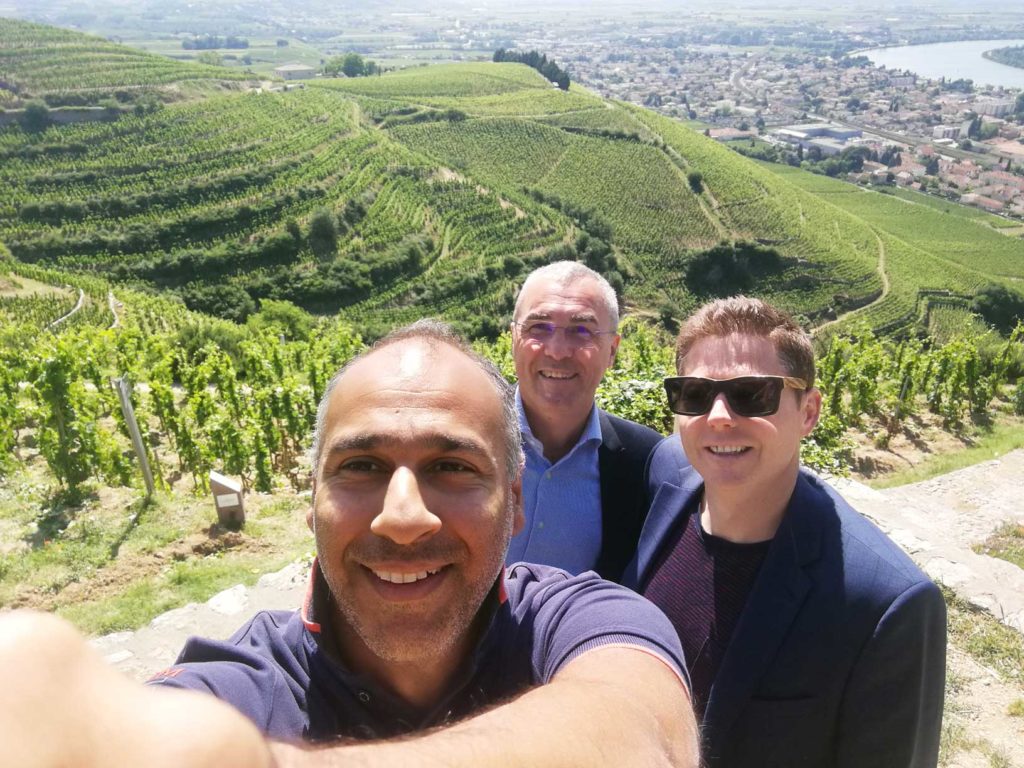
(812, 639)
(584, 494)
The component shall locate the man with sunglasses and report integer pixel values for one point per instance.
(584, 494)
(812, 639)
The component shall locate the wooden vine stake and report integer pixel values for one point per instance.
(124, 394)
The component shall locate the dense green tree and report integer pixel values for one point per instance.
(225, 300)
(36, 116)
(283, 318)
(353, 65)
(1001, 307)
(730, 268)
(323, 234)
(212, 58)
(332, 67)
(538, 61)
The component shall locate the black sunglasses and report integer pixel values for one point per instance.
(746, 395)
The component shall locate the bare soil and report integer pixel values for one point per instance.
(128, 569)
(922, 436)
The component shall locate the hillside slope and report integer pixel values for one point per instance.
(433, 190)
(70, 68)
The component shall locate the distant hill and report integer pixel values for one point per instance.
(68, 68)
(433, 190)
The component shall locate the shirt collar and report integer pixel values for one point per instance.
(317, 602)
(591, 430)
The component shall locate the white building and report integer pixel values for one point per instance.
(295, 72)
(995, 108)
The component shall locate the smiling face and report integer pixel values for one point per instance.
(557, 379)
(413, 507)
(751, 460)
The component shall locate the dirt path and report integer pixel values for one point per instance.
(882, 275)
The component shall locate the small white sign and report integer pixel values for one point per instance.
(227, 500)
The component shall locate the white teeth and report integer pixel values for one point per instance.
(403, 578)
(556, 375)
(727, 448)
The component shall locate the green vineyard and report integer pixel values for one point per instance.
(226, 248)
(433, 190)
(66, 67)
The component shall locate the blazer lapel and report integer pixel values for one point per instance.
(608, 467)
(667, 508)
(775, 600)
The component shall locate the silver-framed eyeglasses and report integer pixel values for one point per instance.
(575, 334)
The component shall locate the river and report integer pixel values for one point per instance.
(952, 61)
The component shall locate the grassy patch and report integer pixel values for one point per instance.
(172, 587)
(1016, 708)
(988, 641)
(1007, 543)
(955, 737)
(113, 563)
(1004, 436)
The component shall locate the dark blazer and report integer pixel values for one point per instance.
(622, 461)
(838, 658)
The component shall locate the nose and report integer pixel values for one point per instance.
(404, 517)
(720, 415)
(558, 346)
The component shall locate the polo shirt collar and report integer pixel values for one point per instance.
(316, 603)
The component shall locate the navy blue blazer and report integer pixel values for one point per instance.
(838, 658)
(622, 460)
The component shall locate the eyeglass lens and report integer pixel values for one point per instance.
(544, 331)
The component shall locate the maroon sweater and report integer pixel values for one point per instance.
(701, 582)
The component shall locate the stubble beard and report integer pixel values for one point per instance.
(398, 633)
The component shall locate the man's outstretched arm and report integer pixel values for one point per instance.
(61, 704)
(612, 706)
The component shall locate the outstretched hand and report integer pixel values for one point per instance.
(61, 704)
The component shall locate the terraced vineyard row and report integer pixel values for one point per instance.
(38, 60)
(167, 198)
(952, 238)
(933, 253)
(455, 81)
(657, 219)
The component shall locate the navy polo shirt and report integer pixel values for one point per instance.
(277, 672)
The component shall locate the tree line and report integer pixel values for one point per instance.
(538, 61)
(210, 42)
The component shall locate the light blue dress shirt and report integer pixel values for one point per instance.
(561, 502)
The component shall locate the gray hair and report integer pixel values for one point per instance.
(433, 332)
(565, 273)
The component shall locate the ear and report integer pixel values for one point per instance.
(519, 517)
(810, 410)
(614, 350)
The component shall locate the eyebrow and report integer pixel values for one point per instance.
(578, 317)
(441, 442)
